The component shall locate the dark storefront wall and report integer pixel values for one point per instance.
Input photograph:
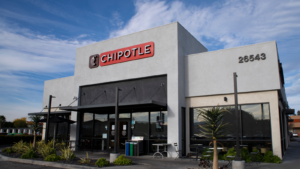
(141, 119)
(96, 130)
(255, 127)
(62, 130)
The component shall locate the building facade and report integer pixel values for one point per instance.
(166, 76)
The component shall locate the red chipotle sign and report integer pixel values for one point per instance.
(122, 55)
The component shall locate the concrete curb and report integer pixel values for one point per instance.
(50, 164)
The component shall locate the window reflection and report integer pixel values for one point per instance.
(87, 125)
(159, 125)
(139, 124)
(100, 125)
(256, 121)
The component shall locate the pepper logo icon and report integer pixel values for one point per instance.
(94, 61)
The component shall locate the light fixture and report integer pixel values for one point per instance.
(59, 105)
(225, 99)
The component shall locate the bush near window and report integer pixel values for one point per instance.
(268, 157)
(29, 154)
(122, 160)
(102, 162)
(52, 157)
(14, 139)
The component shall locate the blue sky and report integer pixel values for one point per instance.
(38, 38)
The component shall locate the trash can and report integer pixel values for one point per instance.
(135, 149)
(127, 148)
(131, 148)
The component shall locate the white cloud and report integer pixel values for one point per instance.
(234, 23)
(22, 50)
(230, 23)
(116, 20)
(27, 59)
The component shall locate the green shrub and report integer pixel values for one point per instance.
(21, 147)
(102, 162)
(52, 157)
(45, 149)
(122, 160)
(270, 158)
(276, 159)
(67, 154)
(29, 154)
(8, 150)
(86, 160)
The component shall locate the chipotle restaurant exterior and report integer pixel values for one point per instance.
(164, 75)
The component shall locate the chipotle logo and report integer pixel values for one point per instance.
(122, 55)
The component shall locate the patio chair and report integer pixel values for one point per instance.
(177, 150)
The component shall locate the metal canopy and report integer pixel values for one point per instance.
(55, 119)
(150, 103)
(289, 111)
(52, 113)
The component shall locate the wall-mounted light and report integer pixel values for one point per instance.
(225, 99)
(59, 105)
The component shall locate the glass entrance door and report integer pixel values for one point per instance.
(123, 126)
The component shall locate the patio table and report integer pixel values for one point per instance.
(157, 150)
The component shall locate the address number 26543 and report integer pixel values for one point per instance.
(251, 58)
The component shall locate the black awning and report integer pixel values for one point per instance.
(290, 120)
(289, 111)
(145, 104)
(55, 119)
(52, 113)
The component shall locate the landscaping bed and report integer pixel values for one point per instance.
(61, 154)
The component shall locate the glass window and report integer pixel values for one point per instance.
(99, 144)
(100, 125)
(229, 119)
(124, 115)
(121, 115)
(62, 132)
(256, 121)
(159, 125)
(87, 125)
(139, 124)
(112, 116)
(197, 121)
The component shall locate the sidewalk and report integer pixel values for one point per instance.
(291, 160)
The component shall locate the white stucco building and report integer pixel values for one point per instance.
(165, 75)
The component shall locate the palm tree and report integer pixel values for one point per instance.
(213, 127)
(35, 127)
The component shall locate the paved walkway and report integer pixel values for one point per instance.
(291, 161)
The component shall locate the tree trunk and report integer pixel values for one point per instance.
(215, 162)
(34, 138)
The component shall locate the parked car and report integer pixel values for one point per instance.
(295, 134)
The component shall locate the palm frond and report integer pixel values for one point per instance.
(213, 126)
